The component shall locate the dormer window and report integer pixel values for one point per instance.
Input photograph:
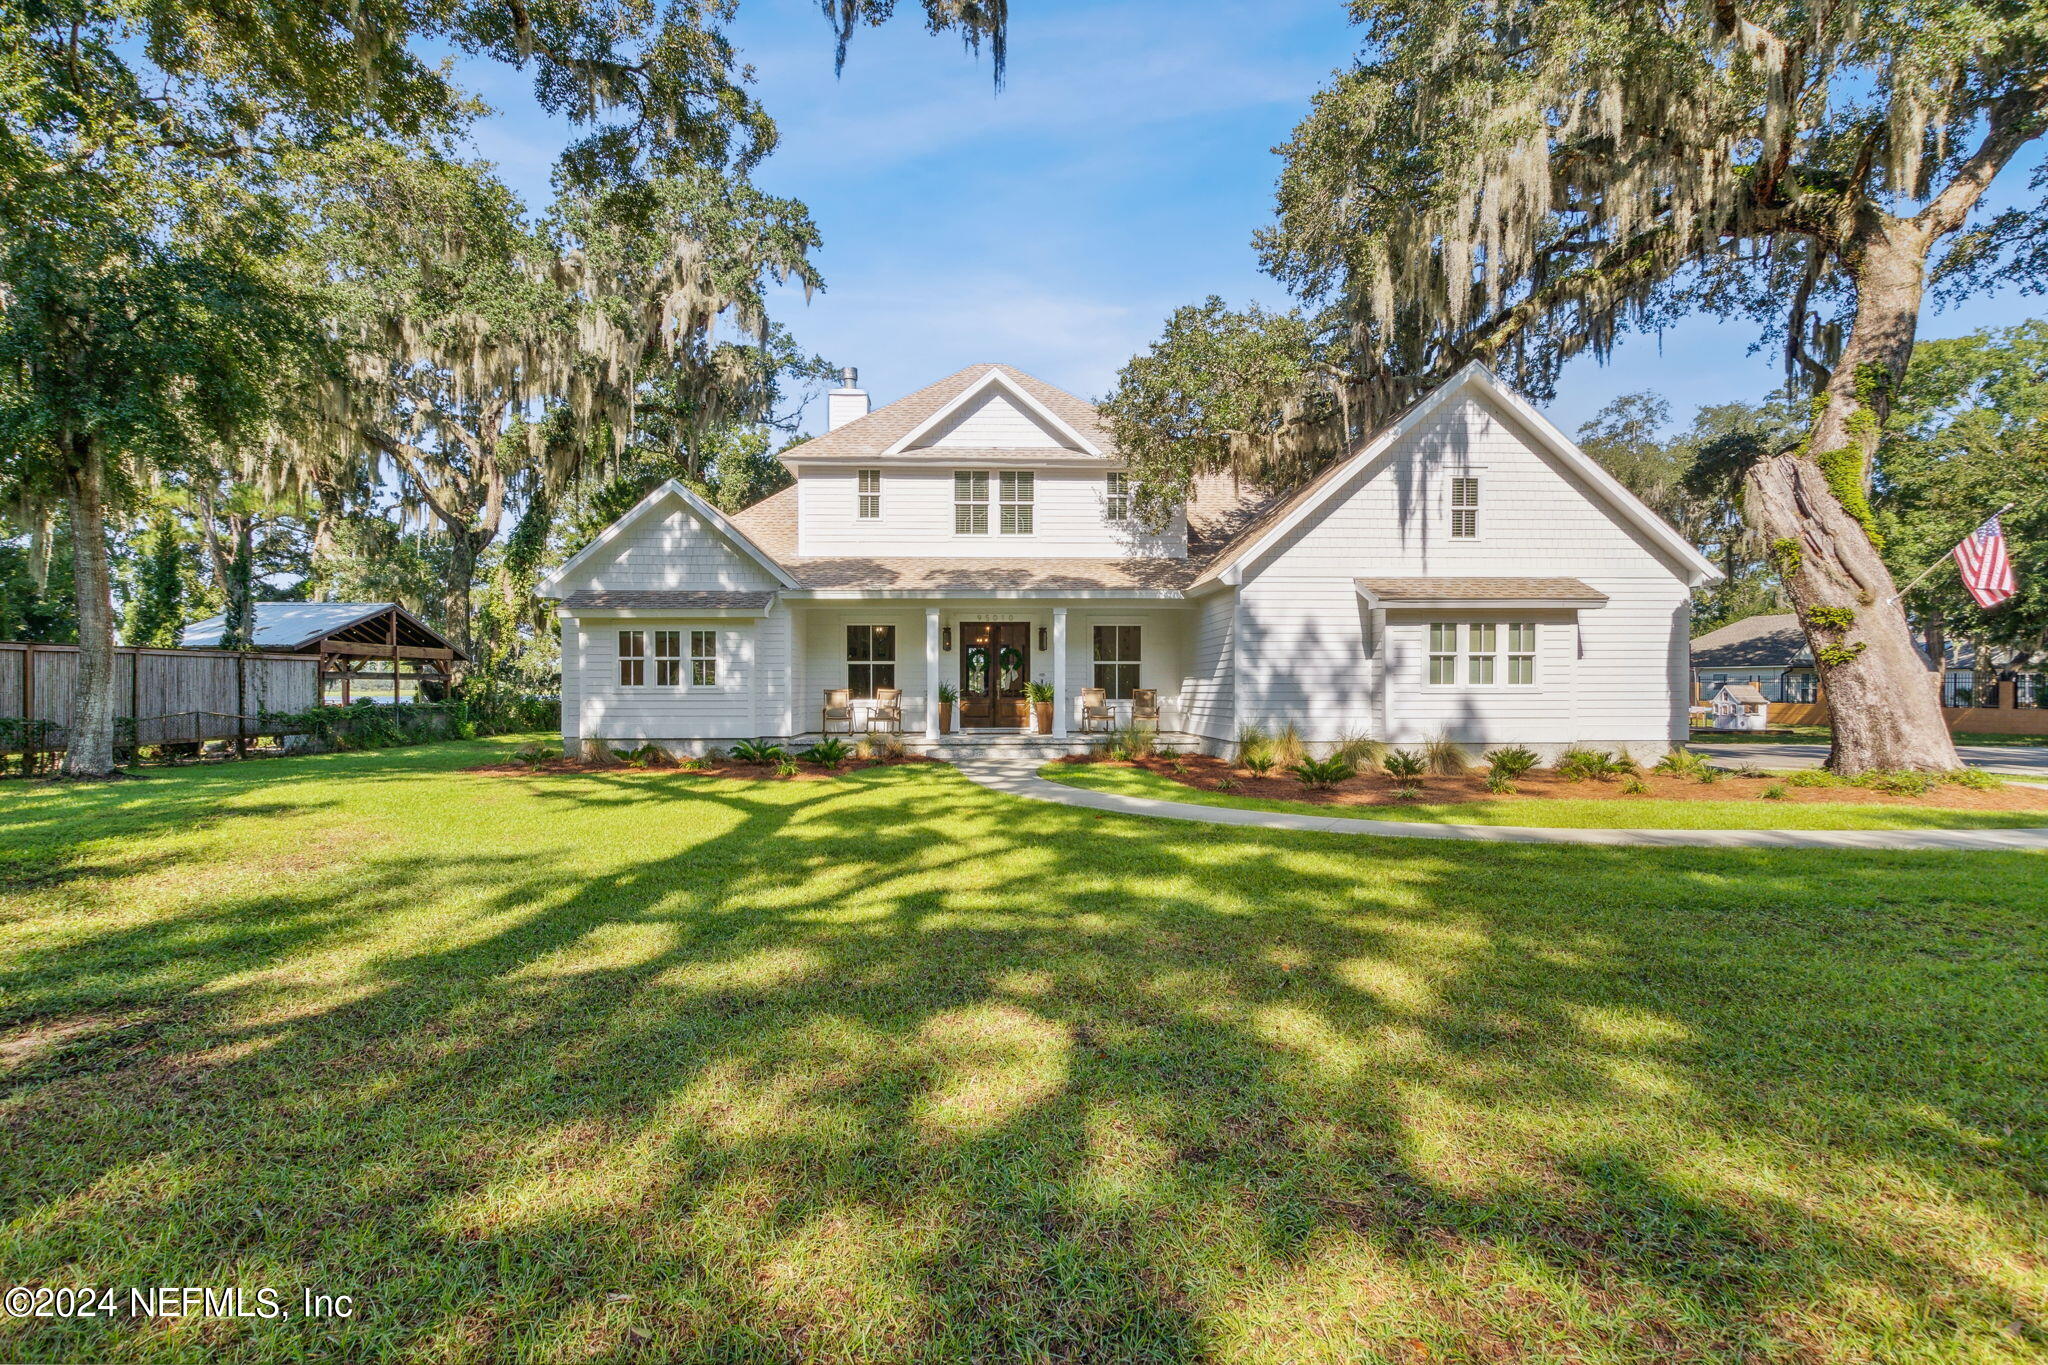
(970, 502)
(869, 503)
(1117, 498)
(1019, 487)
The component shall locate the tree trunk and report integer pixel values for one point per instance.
(89, 750)
(464, 547)
(1884, 706)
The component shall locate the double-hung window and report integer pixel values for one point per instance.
(1018, 488)
(1117, 497)
(1117, 650)
(1521, 653)
(970, 502)
(632, 658)
(703, 658)
(870, 659)
(1465, 507)
(1470, 652)
(869, 499)
(668, 658)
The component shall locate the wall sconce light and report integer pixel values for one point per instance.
(946, 638)
(1041, 640)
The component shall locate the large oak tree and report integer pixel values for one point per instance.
(1521, 182)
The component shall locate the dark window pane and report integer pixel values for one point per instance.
(1105, 643)
(857, 642)
(885, 675)
(1127, 643)
(885, 642)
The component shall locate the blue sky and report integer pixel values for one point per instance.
(1119, 173)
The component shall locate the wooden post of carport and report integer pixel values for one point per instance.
(391, 638)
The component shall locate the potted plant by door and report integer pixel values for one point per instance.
(1040, 696)
(948, 694)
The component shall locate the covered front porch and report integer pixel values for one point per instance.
(984, 652)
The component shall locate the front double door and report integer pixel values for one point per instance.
(995, 663)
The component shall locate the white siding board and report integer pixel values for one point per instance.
(674, 550)
(1069, 518)
(1305, 647)
(995, 420)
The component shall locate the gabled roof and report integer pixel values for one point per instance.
(294, 625)
(674, 488)
(991, 380)
(1293, 510)
(887, 427)
(1747, 694)
(1772, 641)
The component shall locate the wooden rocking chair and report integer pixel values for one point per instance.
(838, 710)
(1145, 706)
(1095, 712)
(887, 712)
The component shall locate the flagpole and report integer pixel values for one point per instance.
(1917, 578)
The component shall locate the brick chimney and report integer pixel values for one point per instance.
(846, 403)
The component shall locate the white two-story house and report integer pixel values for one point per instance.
(1465, 572)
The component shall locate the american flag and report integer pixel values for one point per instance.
(1987, 573)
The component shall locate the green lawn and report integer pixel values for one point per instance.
(891, 1068)
(1744, 810)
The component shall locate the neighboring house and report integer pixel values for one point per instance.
(1466, 572)
(1768, 652)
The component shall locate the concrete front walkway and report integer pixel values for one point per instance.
(1019, 777)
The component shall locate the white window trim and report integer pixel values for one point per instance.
(986, 503)
(1110, 495)
(1478, 507)
(848, 663)
(678, 658)
(1015, 478)
(1461, 666)
(861, 494)
(620, 658)
(691, 658)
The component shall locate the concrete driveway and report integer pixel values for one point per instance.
(2012, 760)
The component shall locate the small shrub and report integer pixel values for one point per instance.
(891, 746)
(1259, 763)
(1751, 772)
(716, 755)
(1635, 786)
(1404, 765)
(828, 753)
(863, 749)
(1180, 766)
(535, 755)
(1500, 784)
(1623, 765)
(1708, 775)
(758, 751)
(1902, 783)
(1445, 757)
(1974, 778)
(1509, 763)
(1681, 763)
(1360, 751)
(1288, 748)
(648, 755)
(691, 764)
(1775, 792)
(1322, 773)
(1813, 777)
(1133, 741)
(1038, 693)
(787, 767)
(1227, 784)
(1576, 764)
(1408, 791)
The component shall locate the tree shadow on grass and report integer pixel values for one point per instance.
(898, 1068)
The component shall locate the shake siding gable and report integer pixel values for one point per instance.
(1304, 636)
(675, 550)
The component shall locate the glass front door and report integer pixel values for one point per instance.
(995, 663)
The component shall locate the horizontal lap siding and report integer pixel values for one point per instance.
(1208, 689)
(824, 650)
(1163, 646)
(995, 420)
(1068, 517)
(613, 712)
(1304, 635)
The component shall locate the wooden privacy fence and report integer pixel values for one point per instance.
(171, 695)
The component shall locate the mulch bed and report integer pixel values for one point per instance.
(1377, 789)
(752, 772)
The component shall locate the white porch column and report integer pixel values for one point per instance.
(931, 673)
(1060, 700)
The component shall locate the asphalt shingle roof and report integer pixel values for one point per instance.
(1773, 641)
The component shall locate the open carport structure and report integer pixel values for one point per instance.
(357, 642)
